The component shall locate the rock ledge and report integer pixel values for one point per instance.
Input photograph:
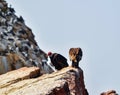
(68, 81)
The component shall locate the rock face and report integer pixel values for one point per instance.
(25, 81)
(110, 92)
(23, 65)
(17, 45)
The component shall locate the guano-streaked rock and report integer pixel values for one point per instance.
(17, 39)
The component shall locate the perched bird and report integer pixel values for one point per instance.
(58, 60)
(20, 19)
(75, 55)
(11, 9)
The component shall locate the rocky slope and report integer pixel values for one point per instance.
(17, 45)
(68, 81)
(19, 50)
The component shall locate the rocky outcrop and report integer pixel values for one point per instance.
(25, 81)
(17, 45)
(19, 50)
(110, 92)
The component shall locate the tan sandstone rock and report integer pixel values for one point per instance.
(68, 81)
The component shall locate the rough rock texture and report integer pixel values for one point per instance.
(110, 92)
(68, 81)
(18, 75)
(18, 49)
(17, 45)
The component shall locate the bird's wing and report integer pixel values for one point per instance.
(61, 60)
(59, 57)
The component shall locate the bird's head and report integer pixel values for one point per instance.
(49, 53)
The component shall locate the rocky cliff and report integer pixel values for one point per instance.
(26, 81)
(23, 65)
(110, 92)
(17, 45)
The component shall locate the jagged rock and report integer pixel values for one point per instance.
(16, 37)
(68, 81)
(110, 92)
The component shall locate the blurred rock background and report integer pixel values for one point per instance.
(17, 45)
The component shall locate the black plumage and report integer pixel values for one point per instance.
(20, 19)
(58, 60)
(12, 10)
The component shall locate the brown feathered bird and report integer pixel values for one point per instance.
(58, 60)
(75, 55)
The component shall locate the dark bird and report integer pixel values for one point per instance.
(75, 55)
(11, 10)
(20, 19)
(58, 60)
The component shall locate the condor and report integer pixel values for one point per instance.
(58, 60)
(75, 55)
